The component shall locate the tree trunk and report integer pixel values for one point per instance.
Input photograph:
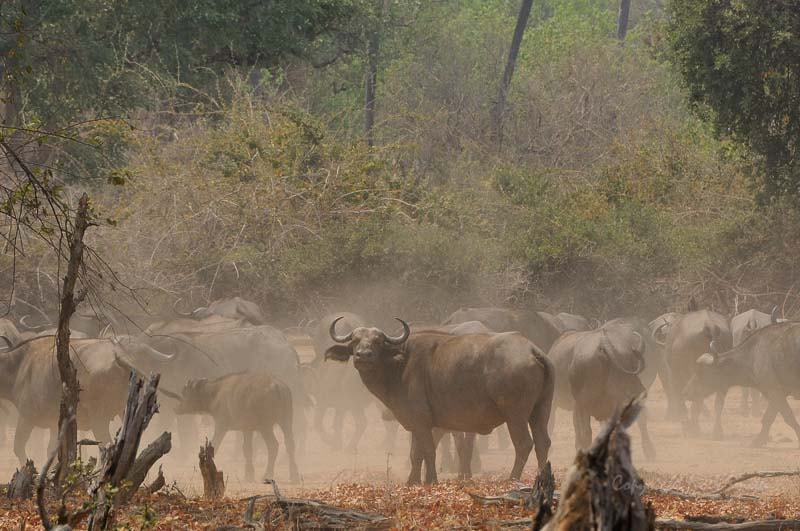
(213, 481)
(373, 47)
(121, 471)
(22, 483)
(68, 446)
(622, 19)
(508, 73)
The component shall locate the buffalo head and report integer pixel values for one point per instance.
(195, 398)
(367, 346)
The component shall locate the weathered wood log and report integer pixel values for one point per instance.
(22, 482)
(307, 514)
(603, 490)
(755, 525)
(213, 480)
(750, 475)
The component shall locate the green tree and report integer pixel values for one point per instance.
(739, 59)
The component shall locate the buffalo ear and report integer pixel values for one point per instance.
(339, 353)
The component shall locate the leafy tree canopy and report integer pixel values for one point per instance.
(741, 62)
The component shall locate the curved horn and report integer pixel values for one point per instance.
(641, 346)
(8, 342)
(402, 339)
(175, 308)
(30, 327)
(104, 330)
(657, 334)
(774, 315)
(639, 368)
(339, 339)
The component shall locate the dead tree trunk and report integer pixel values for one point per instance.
(371, 84)
(68, 446)
(603, 490)
(21, 486)
(505, 82)
(213, 481)
(119, 462)
(622, 19)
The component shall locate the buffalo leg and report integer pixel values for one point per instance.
(551, 421)
(788, 415)
(187, 432)
(21, 436)
(583, 428)
(719, 405)
(220, 430)
(288, 442)
(415, 476)
(465, 457)
(360, 420)
(647, 443)
(475, 465)
(758, 404)
(247, 450)
(272, 451)
(447, 461)
(538, 422)
(338, 424)
(692, 425)
(523, 444)
(744, 405)
(665, 377)
(390, 437)
(427, 447)
(766, 423)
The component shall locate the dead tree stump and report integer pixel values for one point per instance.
(213, 481)
(22, 482)
(603, 490)
(157, 483)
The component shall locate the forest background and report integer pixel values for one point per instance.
(315, 155)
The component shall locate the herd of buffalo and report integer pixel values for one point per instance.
(480, 368)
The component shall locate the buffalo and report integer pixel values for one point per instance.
(196, 353)
(29, 378)
(249, 403)
(598, 370)
(533, 326)
(231, 308)
(689, 338)
(470, 383)
(742, 326)
(768, 360)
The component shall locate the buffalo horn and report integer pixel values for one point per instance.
(175, 308)
(657, 333)
(23, 322)
(774, 315)
(339, 339)
(402, 339)
(8, 342)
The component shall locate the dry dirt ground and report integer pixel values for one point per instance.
(372, 478)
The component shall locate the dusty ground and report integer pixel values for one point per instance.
(694, 464)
